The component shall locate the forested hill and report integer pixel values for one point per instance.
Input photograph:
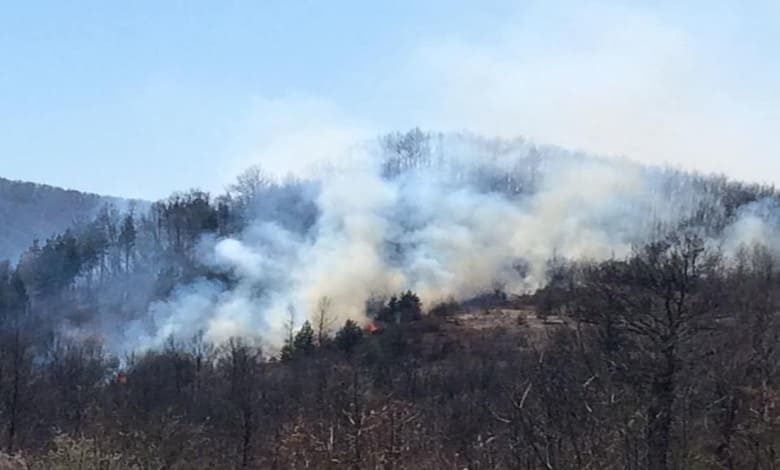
(463, 303)
(30, 211)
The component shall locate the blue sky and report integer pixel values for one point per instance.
(143, 98)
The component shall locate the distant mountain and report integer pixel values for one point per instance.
(30, 211)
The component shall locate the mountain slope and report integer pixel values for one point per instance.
(30, 211)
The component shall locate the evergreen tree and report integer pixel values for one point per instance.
(348, 337)
(304, 340)
(127, 236)
(409, 307)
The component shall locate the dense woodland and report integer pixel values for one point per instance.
(664, 360)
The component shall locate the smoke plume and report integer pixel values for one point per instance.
(447, 216)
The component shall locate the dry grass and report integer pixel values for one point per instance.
(8, 462)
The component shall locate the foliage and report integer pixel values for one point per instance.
(348, 337)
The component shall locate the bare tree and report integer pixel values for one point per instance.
(657, 303)
(323, 321)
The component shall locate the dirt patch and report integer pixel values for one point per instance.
(505, 319)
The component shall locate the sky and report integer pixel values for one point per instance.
(139, 99)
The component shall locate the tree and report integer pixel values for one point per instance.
(323, 321)
(127, 236)
(409, 307)
(348, 337)
(289, 341)
(242, 366)
(303, 344)
(249, 184)
(655, 306)
(402, 310)
(15, 359)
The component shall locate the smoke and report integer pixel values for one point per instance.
(447, 216)
(757, 223)
(615, 78)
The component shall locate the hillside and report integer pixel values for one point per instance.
(450, 302)
(30, 211)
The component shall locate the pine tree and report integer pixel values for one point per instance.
(348, 337)
(303, 344)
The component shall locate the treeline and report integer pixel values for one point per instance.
(110, 268)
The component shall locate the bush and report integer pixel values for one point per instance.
(78, 454)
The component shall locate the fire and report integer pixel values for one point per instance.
(372, 328)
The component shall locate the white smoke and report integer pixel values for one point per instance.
(757, 223)
(459, 217)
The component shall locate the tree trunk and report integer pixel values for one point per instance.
(659, 426)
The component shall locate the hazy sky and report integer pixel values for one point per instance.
(143, 98)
